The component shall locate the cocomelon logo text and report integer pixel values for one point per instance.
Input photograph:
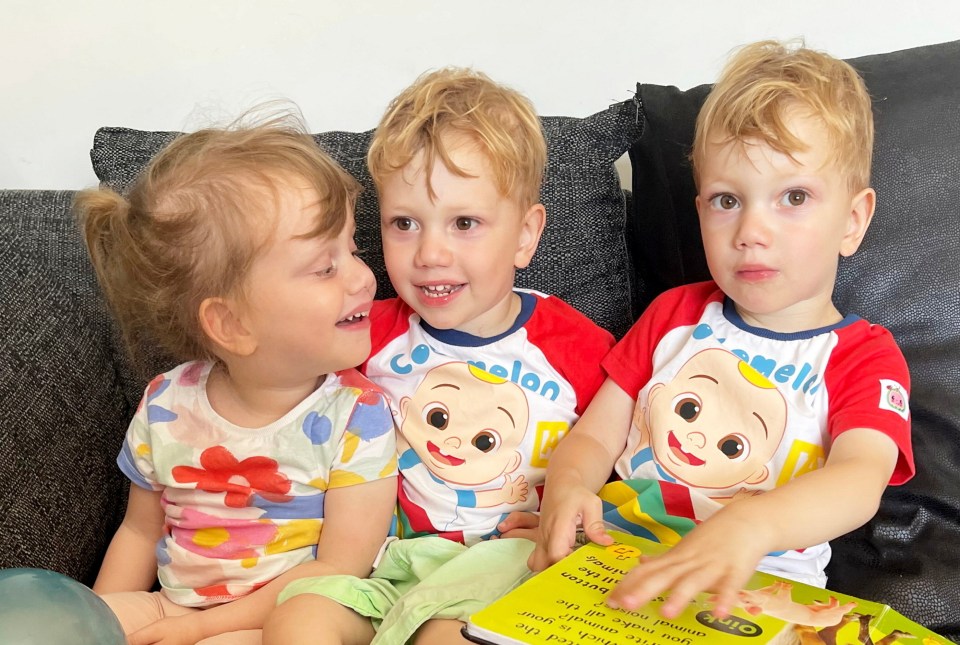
(516, 372)
(796, 377)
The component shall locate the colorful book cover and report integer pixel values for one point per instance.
(564, 605)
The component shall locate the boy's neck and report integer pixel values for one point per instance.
(247, 400)
(793, 320)
(488, 325)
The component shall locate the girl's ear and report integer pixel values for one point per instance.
(861, 214)
(532, 228)
(221, 321)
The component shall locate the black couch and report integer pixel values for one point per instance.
(67, 389)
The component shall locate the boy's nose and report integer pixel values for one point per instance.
(433, 250)
(753, 228)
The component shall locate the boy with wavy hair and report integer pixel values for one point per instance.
(770, 421)
(484, 379)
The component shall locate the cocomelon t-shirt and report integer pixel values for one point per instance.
(726, 410)
(478, 418)
(244, 505)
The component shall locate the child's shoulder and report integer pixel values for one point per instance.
(352, 378)
(683, 304)
(185, 375)
(695, 292)
(560, 315)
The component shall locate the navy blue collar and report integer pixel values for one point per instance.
(528, 303)
(735, 319)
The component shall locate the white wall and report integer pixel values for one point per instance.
(67, 68)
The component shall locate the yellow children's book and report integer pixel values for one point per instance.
(564, 605)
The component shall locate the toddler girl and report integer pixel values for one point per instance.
(264, 457)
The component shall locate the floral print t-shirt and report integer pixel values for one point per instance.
(244, 505)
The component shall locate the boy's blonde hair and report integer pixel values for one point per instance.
(463, 102)
(195, 220)
(764, 81)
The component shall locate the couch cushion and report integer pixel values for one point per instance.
(64, 412)
(582, 256)
(904, 277)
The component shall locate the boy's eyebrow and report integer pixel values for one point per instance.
(512, 420)
(456, 387)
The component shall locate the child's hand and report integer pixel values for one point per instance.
(177, 630)
(719, 556)
(563, 509)
(519, 524)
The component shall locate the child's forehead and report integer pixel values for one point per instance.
(802, 139)
(289, 204)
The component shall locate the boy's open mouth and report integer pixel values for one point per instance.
(440, 290)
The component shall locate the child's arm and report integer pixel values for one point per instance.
(722, 553)
(356, 521)
(579, 467)
(130, 563)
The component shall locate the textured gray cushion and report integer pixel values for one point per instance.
(905, 277)
(63, 412)
(582, 256)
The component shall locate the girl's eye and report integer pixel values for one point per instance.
(465, 223)
(326, 273)
(794, 198)
(725, 202)
(404, 224)
(358, 254)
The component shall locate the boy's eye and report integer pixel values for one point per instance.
(327, 272)
(465, 223)
(794, 198)
(725, 202)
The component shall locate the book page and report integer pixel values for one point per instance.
(564, 605)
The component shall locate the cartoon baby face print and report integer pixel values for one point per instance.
(715, 424)
(465, 424)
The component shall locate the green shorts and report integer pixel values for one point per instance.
(422, 578)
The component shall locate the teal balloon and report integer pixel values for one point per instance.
(40, 607)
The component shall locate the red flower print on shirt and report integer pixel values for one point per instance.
(240, 480)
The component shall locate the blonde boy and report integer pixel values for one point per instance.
(782, 162)
(484, 379)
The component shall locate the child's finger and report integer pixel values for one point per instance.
(592, 523)
(646, 581)
(519, 520)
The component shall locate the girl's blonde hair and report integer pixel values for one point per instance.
(455, 102)
(195, 220)
(764, 81)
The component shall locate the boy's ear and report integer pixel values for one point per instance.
(532, 228)
(861, 214)
(221, 321)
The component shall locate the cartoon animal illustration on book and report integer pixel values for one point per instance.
(776, 600)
